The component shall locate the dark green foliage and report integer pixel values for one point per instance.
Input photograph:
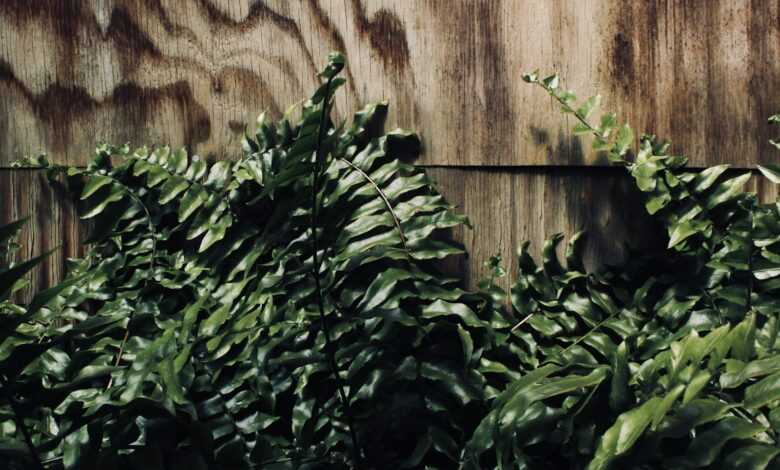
(195, 336)
(284, 310)
(668, 361)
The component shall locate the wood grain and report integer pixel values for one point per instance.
(52, 223)
(510, 206)
(194, 72)
(506, 207)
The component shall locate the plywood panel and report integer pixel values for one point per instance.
(194, 72)
(52, 224)
(506, 207)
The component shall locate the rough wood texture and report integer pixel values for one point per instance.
(704, 73)
(506, 207)
(52, 223)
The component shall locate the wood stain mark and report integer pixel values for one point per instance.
(386, 35)
(258, 13)
(499, 140)
(61, 109)
(236, 127)
(327, 26)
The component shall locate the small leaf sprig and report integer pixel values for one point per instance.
(610, 136)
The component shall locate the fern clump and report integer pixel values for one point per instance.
(669, 360)
(284, 310)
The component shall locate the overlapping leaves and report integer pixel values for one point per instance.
(207, 347)
(284, 310)
(666, 361)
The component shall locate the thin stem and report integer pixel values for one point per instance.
(586, 401)
(578, 340)
(522, 322)
(150, 227)
(316, 174)
(384, 198)
(20, 423)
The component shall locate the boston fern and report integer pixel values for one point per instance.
(284, 310)
(667, 361)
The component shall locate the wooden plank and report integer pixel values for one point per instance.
(52, 223)
(510, 206)
(702, 73)
(506, 207)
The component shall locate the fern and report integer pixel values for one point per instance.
(659, 362)
(284, 310)
(205, 283)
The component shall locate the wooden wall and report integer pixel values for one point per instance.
(193, 72)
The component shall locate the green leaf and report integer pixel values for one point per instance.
(765, 391)
(727, 190)
(193, 199)
(753, 457)
(9, 230)
(737, 372)
(172, 188)
(619, 395)
(93, 184)
(551, 82)
(696, 385)
(772, 172)
(666, 404)
(622, 435)
(706, 447)
(588, 106)
(707, 177)
(381, 288)
(681, 232)
(624, 140)
(8, 277)
(443, 308)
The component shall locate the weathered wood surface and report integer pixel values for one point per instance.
(52, 223)
(505, 208)
(703, 73)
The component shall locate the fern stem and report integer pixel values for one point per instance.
(384, 198)
(150, 227)
(578, 340)
(316, 174)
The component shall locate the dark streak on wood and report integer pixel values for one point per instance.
(699, 73)
(52, 224)
(59, 108)
(157, 7)
(496, 81)
(335, 35)
(130, 39)
(623, 60)
(386, 34)
(237, 127)
(260, 12)
(760, 26)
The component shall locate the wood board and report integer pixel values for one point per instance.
(194, 72)
(506, 207)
